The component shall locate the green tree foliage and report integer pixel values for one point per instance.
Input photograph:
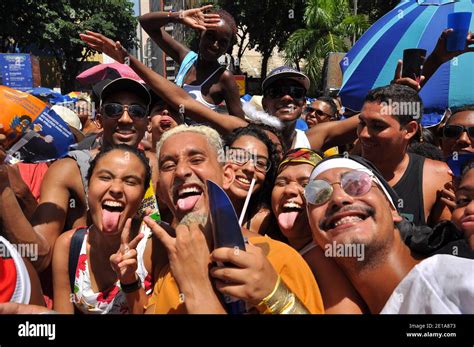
(375, 9)
(54, 27)
(329, 27)
(268, 23)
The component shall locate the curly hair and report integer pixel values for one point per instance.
(263, 196)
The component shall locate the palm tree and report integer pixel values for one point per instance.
(330, 27)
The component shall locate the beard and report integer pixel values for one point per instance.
(194, 217)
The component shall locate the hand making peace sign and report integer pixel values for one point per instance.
(125, 262)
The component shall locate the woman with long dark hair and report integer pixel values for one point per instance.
(252, 155)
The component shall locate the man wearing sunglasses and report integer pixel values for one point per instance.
(321, 110)
(124, 119)
(350, 204)
(458, 133)
(284, 97)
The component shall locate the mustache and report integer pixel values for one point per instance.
(369, 211)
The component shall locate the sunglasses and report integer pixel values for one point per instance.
(454, 131)
(320, 113)
(281, 91)
(241, 157)
(355, 183)
(115, 111)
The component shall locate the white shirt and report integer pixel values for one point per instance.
(301, 140)
(440, 284)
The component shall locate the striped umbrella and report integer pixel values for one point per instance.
(371, 62)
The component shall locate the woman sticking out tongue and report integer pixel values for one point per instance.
(118, 177)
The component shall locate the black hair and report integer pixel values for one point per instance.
(330, 101)
(426, 150)
(230, 21)
(125, 148)
(468, 107)
(398, 94)
(429, 136)
(263, 197)
(275, 131)
(467, 167)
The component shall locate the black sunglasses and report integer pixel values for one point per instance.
(454, 131)
(320, 113)
(115, 111)
(280, 91)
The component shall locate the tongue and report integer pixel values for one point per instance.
(186, 204)
(287, 219)
(110, 221)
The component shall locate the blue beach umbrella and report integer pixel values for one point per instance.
(372, 61)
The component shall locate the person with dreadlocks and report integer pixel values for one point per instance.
(200, 73)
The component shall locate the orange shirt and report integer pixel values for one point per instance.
(292, 268)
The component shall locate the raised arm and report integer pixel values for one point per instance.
(153, 23)
(441, 55)
(15, 225)
(231, 95)
(326, 135)
(438, 57)
(173, 95)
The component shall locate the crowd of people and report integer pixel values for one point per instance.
(359, 213)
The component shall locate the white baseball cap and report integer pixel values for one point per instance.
(68, 115)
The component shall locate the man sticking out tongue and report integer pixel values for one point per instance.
(289, 207)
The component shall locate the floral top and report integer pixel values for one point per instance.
(111, 300)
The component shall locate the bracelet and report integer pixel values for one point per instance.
(131, 287)
(281, 301)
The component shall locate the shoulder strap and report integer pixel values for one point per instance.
(186, 64)
(212, 74)
(74, 251)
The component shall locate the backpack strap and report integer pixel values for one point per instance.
(74, 251)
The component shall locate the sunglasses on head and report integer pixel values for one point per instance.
(355, 183)
(454, 131)
(115, 110)
(241, 157)
(280, 91)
